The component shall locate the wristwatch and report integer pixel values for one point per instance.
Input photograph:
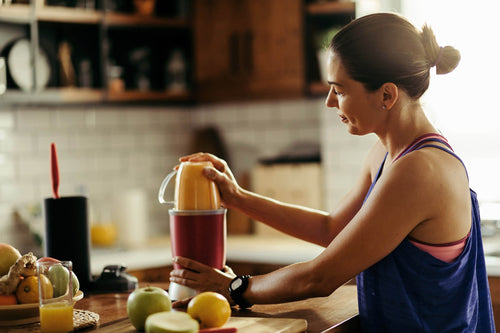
(236, 289)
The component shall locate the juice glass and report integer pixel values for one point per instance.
(56, 296)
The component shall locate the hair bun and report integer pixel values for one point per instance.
(450, 57)
(444, 58)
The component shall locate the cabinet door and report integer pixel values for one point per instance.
(248, 48)
(218, 27)
(277, 51)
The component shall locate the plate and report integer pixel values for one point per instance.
(21, 314)
(19, 65)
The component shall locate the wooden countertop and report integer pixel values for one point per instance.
(335, 313)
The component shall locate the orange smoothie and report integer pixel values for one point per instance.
(56, 318)
(193, 190)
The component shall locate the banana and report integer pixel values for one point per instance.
(24, 266)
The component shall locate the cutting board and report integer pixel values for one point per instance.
(243, 324)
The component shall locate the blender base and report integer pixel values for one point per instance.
(179, 292)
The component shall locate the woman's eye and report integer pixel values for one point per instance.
(338, 93)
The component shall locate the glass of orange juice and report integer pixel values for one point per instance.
(56, 296)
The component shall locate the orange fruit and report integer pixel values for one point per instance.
(104, 234)
(27, 290)
(8, 299)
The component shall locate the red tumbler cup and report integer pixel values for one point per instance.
(199, 235)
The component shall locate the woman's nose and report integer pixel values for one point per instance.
(331, 99)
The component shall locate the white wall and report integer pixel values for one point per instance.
(464, 103)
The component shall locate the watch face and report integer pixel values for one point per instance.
(236, 284)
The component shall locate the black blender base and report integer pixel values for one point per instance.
(114, 279)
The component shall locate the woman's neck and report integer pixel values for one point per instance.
(404, 124)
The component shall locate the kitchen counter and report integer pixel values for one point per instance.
(335, 313)
(252, 249)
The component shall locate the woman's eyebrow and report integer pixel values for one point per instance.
(335, 83)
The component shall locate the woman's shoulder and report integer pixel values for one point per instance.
(431, 171)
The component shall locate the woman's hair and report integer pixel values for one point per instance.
(385, 47)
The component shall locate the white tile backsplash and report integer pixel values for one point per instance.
(7, 119)
(104, 151)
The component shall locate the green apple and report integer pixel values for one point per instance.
(59, 276)
(171, 322)
(145, 301)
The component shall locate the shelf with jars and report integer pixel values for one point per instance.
(94, 53)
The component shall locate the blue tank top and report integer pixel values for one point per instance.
(411, 291)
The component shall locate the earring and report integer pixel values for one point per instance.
(384, 107)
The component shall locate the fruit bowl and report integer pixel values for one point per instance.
(20, 314)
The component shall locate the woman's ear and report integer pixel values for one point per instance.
(390, 94)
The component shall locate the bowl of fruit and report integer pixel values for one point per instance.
(19, 294)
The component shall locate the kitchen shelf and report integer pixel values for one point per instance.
(15, 13)
(84, 95)
(330, 7)
(21, 13)
(52, 95)
(95, 33)
(322, 17)
(68, 15)
(152, 96)
(119, 19)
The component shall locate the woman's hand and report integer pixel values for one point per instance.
(201, 277)
(220, 174)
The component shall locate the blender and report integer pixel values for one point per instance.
(197, 221)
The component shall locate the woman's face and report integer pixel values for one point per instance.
(356, 107)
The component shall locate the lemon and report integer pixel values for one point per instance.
(210, 309)
(27, 290)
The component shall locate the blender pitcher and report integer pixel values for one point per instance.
(197, 222)
(193, 191)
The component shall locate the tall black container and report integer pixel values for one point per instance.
(67, 235)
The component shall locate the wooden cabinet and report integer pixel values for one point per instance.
(231, 49)
(248, 49)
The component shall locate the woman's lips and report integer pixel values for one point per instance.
(343, 118)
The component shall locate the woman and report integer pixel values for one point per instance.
(405, 229)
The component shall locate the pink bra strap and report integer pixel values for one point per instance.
(423, 138)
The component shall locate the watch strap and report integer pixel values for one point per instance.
(237, 293)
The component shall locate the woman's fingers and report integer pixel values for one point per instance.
(182, 277)
(218, 163)
(192, 264)
(201, 277)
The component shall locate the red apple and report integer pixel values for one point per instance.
(145, 301)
